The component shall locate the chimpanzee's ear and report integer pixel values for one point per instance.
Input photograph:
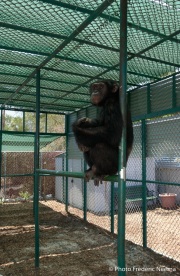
(115, 88)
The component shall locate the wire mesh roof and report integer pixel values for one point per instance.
(74, 42)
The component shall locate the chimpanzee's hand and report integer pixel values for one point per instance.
(85, 122)
(83, 148)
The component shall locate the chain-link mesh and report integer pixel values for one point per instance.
(17, 167)
(164, 168)
(52, 36)
(162, 165)
(77, 52)
(17, 159)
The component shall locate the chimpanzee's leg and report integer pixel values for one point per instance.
(103, 160)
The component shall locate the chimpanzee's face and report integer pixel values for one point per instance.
(100, 91)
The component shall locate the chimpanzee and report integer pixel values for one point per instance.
(99, 138)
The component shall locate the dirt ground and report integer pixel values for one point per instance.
(68, 246)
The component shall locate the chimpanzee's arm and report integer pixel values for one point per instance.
(89, 136)
(86, 122)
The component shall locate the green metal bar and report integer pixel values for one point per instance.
(174, 91)
(157, 114)
(57, 56)
(85, 185)
(122, 150)
(63, 179)
(46, 122)
(112, 207)
(81, 61)
(49, 79)
(158, 43)
(44, 88)
(67, 165)
(148, 98)
(85, 195)
(56, 90)
(154, 59)
(15, 175)
(17, 64)
(24, 118)
(112, 178)
(57, 107)
(73, 174)
(106, 17)
(144, 192)
(52, 106)
(75, 33)
(32, 133)
(142, 75)
(36, 165)
(29, 110)
(154, 182)
(98, 76)
(62, 37)
(69, 73)
(163, 183)
(1, 127)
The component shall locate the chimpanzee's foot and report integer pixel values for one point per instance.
(98, 180)
(89, 174)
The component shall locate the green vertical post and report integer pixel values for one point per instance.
(174, 91)
(1, 129)
(144, 200)
(122, 151)
(85, 187)
(148, 98)
(85, 195)
(24, 117)
(46, 122)
(67, 167)
(36, 174)
(112, 207)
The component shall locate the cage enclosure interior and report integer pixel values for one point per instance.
(60, 63)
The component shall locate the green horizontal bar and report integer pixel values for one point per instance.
(73, 74)
(153, 59)
(52, 104)
(52, 35)
(53, 97)
(50, 110)
(154, 182)
(81, 175)
(86, 11)
(108, 17)
(133, 55)
(48, 79)
(73, 174)
(17, 64)
(32, 133)
(73, 35)
(157, 114)
(17, 175)
(42, 87)
(163, 183)
(142, 75)
(29, 110)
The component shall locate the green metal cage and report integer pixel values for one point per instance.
(50, 52)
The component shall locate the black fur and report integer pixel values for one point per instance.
(99, 138)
